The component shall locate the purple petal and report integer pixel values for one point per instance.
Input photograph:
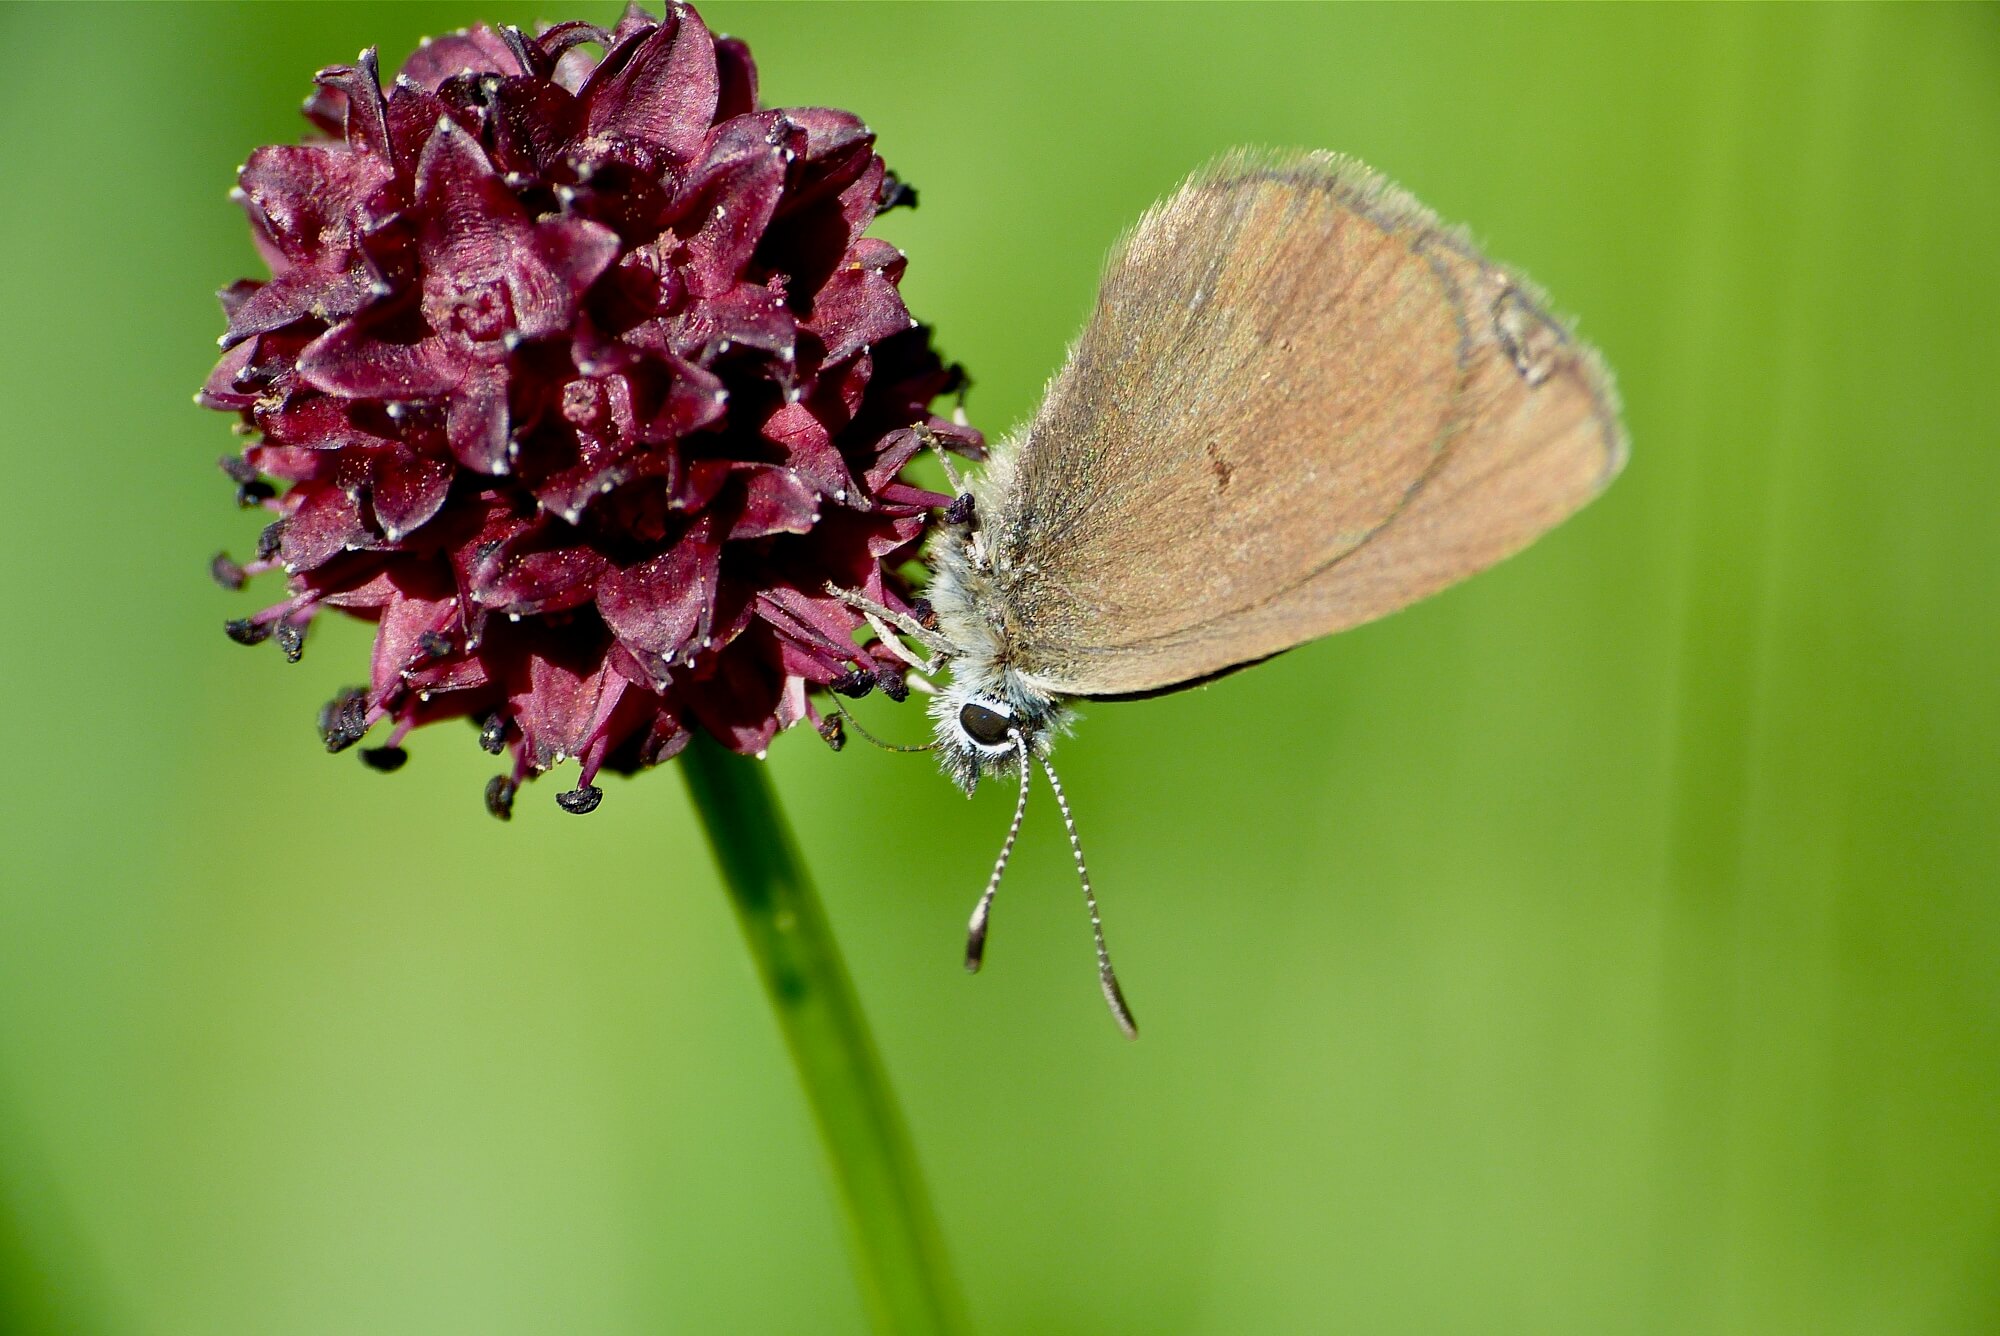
(324, 523)
(319, 422)
(479, 50)
(661, 608)
(291, 464)
(406, 618)
(545, 569)
(300, 294)
(820, 623)
(693, 398)
(237, 293)
(473, 220)
(810, 450)
(661, 737)
(379, 590)
(596, 353)
(904, 494)
(600, 415)
(838, 147)
(490, 272)
(409, 490)
(577, 252)
(807, 663)
(364, 112)
(730, 199)
(756, 317)
(475, 422)
(659, 89)
(775, 500)
(736, 78)
(387, 358)
(633, 19)
(413, 116)
(810, 242)
(221, 390)
(567, 682)
(897, 449)
(700, 482)
(893, 534)
(859, 306)
(308, 197)
(532, 121)
(739, 704)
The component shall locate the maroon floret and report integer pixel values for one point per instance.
(582, 382)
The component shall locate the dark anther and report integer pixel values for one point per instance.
(832, 732)
(268, 541)
(493, 733)
(854, 683)
(291, 637)
(894, 193)
(254, 493)
(225, 572)
(923, 614)
(957, 380)
(893, 686)
(500, 797)
(246, 632)
(959, 512)
(433, 645)
(385, 759)
(580, 800)
(240, 470)
(344, 719)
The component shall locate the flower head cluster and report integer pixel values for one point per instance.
(577, 375)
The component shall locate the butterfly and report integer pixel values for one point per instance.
(1301, 404)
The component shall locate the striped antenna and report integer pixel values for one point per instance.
(975, 933)
(1114, 996)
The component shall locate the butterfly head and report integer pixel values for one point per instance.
(988, 725)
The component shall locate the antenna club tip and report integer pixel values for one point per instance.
(1120, 1010)
(975, 940)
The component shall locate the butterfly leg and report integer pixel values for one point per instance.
(882, 617)
(951, 473)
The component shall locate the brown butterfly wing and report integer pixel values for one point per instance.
(1300, 405)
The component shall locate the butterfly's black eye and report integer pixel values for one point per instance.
(987, 727)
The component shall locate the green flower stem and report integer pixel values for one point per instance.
(899, 1253)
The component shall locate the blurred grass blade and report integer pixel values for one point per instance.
(899, 1253)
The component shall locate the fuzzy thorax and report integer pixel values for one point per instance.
(972, 621)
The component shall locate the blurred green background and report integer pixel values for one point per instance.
(1611, 944)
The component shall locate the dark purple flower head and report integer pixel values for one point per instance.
(582, 382)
